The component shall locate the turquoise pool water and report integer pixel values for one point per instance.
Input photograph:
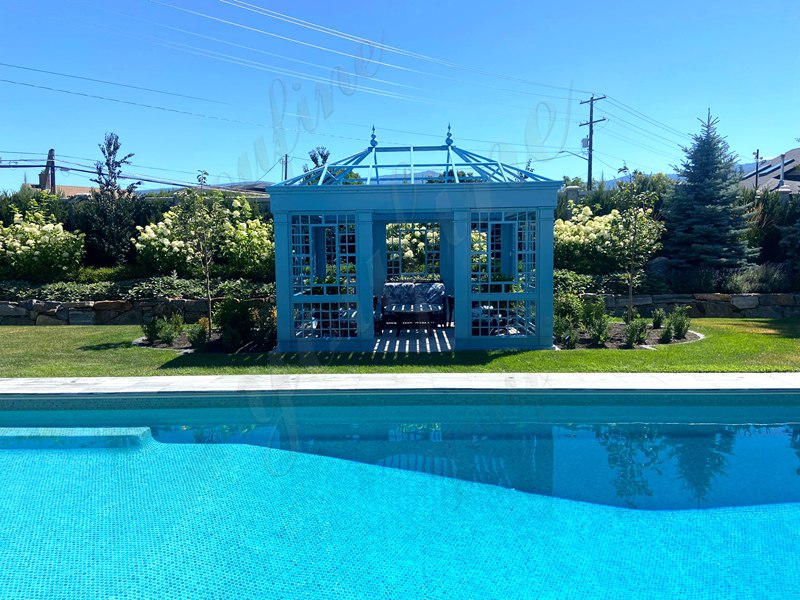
(252, 503)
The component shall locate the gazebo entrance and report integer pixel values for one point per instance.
(462, 260)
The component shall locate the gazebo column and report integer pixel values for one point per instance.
(461, 244)
(378, 256)
(446, 254)
(284, 289)
(544, 277)
(364, 274)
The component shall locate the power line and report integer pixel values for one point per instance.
(658, 151)
(624, 107)
(336, 33)
(666, 141)
(370, 60)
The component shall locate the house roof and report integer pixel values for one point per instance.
(769, 173)
(447, 164)
(69, 190)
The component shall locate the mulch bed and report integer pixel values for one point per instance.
(616, 339)
(214, 345)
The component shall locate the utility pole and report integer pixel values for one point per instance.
(285, 167)
(757, 155)
(51, 167)
(591, 123)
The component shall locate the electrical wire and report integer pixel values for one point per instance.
(373, 61)
(336, 33)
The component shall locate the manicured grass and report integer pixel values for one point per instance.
(754, 345)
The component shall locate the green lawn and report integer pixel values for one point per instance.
(754, 345)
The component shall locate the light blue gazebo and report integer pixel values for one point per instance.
(487, 227)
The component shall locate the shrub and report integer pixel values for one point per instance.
(150, 331)
(666, 334)
(679, 322)
(36, 249)
(597, 322)
(198, 334)
(570, 282)
(240, 243)
(106, 274)
(170, 328)
(658, 318)
(265, 325)
(568, 307)
(566, 332)
(164, 287)
(766, 279)
(235, 323)
(582, 243)
(634, 314)
(635, 333)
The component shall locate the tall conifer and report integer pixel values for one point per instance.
(705, 218)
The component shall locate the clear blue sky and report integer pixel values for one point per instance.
(662, 65)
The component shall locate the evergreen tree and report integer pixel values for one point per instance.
(705, 218)
(108, 218)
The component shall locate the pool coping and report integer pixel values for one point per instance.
(349, 383)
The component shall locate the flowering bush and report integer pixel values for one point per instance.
(584, 242)
(413, 249)
(35, 248)
(242, 244)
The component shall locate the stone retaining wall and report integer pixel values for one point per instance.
(104, 312)
(134, 312)
(754, 306)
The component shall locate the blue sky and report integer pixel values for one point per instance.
(508, 76)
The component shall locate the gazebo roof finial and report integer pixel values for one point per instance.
(449, 140)
(373, 142)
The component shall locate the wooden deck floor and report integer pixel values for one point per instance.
(415, 341)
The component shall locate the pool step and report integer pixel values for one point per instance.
(73, 438)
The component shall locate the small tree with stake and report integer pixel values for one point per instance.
(199, 221)
(635, 234)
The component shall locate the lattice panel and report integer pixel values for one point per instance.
(324, 254)
(325, 320)
(503, 318)
(503, 258)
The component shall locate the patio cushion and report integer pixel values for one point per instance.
(401, 308)
(399, 293)
(429, 293)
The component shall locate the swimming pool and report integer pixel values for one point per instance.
(269, 499)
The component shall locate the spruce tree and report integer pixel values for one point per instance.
(705, 218)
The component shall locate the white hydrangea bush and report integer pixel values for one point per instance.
(36, 248)
(584, 242)
(243, 244)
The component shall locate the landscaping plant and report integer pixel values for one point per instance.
(635, 333)
(665, 337)
(679, 322)
(658, 318)
(35, 248)
(198, 333)
(235, 323)
(597, 322)
(150, 331)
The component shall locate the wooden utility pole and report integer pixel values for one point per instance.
(285, 167)
(51, 168)
(591, 123)
(758, 156)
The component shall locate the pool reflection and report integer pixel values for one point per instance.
(648, 466)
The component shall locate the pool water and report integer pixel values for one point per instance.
(647, 466)
(413, 503)
(715, 458)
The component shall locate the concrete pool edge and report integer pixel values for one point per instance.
(662, 389)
